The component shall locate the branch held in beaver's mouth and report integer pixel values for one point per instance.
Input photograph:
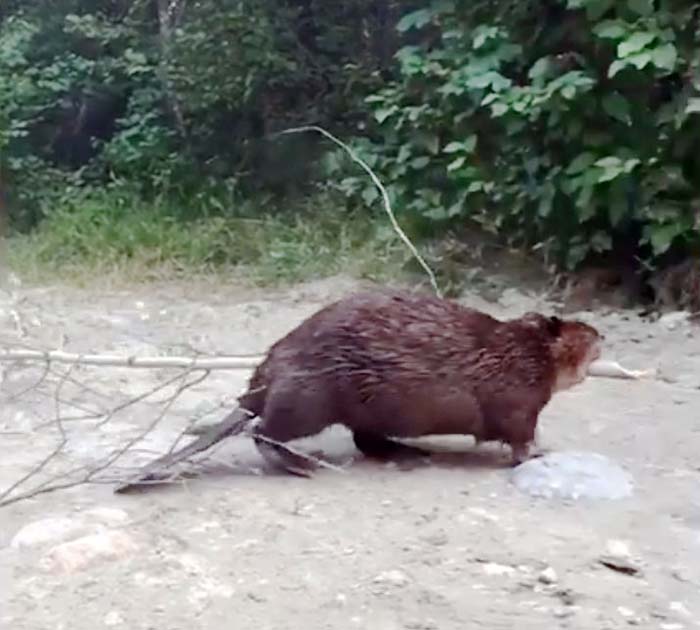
(612, 369)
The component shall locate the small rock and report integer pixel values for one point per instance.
(566, 596)
(548, 576)
(77, 554)
(113, 618)
(673, 320)
(438, 539)
(46, 531)
(492, 568)
(680, 608)
(625, 612)
(572, 475)
(561, 612)
(618, 558)
(394, 576)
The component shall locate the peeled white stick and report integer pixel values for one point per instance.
(612, 369)
(606, 369)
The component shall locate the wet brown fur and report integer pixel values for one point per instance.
(392, 364)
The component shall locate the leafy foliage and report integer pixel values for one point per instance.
(570, 127)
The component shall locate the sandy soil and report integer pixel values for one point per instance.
(446, 544)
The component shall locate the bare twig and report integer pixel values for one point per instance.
(385, 196)
(59, 482)
(57, 449)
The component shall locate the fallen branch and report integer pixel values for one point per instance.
(605, 369)
(194, 363)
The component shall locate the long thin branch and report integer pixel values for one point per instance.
(385, 196)
(605, 369)
(57, 356)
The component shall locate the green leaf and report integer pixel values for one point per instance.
(546, 200)
(540, 68)
(612, 167)
(601, 242)
(693, 106)
(453, 147)
(634, 43)
(586, 209)
(404, 153)
(369, 195)
(381, 115)
(611, 29)
(640, 60)
(594, 8)
(568, 92)
(641, 7)
(499, 109)
(616, 66)
(482, 34)
(617, 211)
(661, 236)
(612, 161)
(616, 106)
(415, 19)
(436, 214)
(580, 163)
(631, 164)
(420, 163)
(428, 141)
(455, 164)
(665, 57)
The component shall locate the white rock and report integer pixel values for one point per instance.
(548, 576)
(47, 530)
(671, 321)
(618, 548)
(492, 568)
(78, 554)
(394, 576)
(680, 608)
(113, 618)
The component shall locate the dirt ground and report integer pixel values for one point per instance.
(449, 543)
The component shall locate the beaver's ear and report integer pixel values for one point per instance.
(552, 325)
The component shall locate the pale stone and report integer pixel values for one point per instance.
(78, 554)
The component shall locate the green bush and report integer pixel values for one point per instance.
(570, 127)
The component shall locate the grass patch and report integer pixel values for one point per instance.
(105, 235)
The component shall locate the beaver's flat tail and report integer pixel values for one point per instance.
(232, 424)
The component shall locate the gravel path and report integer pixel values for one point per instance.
(447, 544)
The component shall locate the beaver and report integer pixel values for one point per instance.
(396, 364)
